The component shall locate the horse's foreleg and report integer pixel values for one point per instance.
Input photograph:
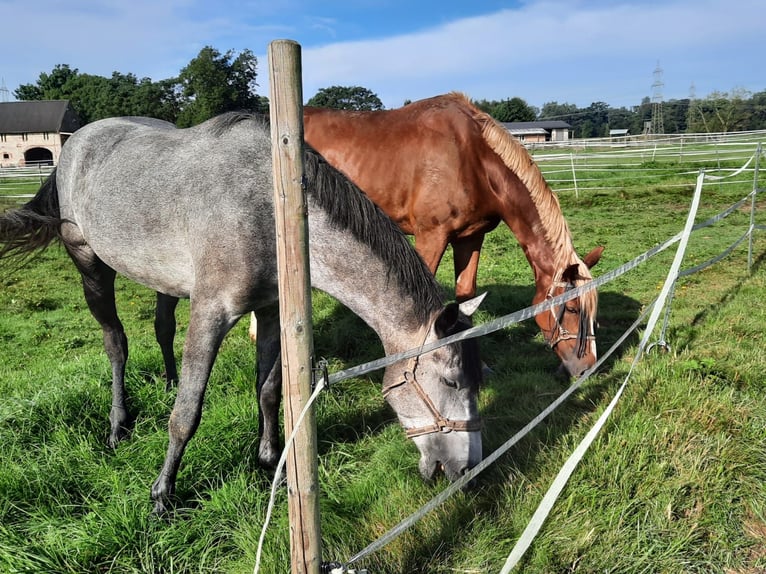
(466, 254)
(431, 248)
(165, 332)
(252, 330)
(207, 328)
(269, 387)
(98, 286)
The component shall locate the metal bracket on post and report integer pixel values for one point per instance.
(338, 568)
(661, 344)
(319, 368)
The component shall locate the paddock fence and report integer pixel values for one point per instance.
(601, 165)
(584, 168)
(748, 173)
(17, 184)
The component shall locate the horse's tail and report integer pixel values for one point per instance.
(34, 225)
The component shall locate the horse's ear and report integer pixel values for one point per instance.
(593, 257)
(470, 306)
(447, 321)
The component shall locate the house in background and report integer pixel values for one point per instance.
(32, 132)
(540, 131)
(619, 134)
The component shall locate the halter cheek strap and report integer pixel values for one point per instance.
(559, 332)
(441, 423)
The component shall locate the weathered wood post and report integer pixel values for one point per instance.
(286, 95)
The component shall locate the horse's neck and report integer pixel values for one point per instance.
(347, 270)
(538, 226)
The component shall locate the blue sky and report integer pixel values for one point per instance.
(567, 51)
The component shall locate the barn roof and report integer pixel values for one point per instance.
(542, 124)
(38, 116)
(528, 131)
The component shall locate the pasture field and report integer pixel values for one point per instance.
(17, 184)
(676, 482)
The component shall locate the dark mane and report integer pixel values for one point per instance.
(348, 208)
(219, 125)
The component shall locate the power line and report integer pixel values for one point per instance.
(658, 123)
(5, 94)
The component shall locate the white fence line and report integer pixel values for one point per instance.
(528, 536)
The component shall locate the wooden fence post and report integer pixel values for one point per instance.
(286, 98)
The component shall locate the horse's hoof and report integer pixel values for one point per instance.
(161, 512)
(115, 438)
(171, 380)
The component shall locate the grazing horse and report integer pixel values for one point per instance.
(448, 173)
(189, 213)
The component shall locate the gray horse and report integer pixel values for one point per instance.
(189, 213)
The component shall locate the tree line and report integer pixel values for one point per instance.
(214, 82)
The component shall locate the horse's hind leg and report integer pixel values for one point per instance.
(98, 286)
(466, 254)
(269, 386)
(165, 332)
(208, 324)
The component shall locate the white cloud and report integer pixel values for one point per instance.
(542, 50)
(554, 50)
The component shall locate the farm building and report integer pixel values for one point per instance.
(617, 135)
(32, 132)
(540, 131)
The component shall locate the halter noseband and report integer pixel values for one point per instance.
(559, 332)
(440, 424)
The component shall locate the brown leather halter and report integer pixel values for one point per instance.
(559, 332)
(440, 424)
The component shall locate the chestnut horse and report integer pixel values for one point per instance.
(448, 173)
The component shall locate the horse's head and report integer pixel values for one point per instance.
(435, 395)
(569, 329)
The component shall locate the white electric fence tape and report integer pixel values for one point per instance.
(320, 386)
(565, 473)
(569, 466)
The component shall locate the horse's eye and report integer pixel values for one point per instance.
(450, 383)
(571, 309)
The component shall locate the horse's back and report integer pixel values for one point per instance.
(424, 164)
(165, 206)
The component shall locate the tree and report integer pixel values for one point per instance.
(53, 86)
(556, 111)
(213, 83)
(757, 111)
(592, 122)
(513, 110)
(97, 97)
(619, 118)
(509, 110)
(346, 98)
(675, 114)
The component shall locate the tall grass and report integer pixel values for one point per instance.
(675, 483)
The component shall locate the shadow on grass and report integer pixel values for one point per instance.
(690, 336)
(523, 383)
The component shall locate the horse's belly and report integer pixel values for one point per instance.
(157, 269)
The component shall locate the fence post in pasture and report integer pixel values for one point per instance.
(756, 169)
(574, 174)
(286, 97)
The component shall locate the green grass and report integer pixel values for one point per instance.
(675, 483)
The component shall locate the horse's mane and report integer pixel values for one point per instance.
(219, 125)
(349, 208)
(516, 157)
